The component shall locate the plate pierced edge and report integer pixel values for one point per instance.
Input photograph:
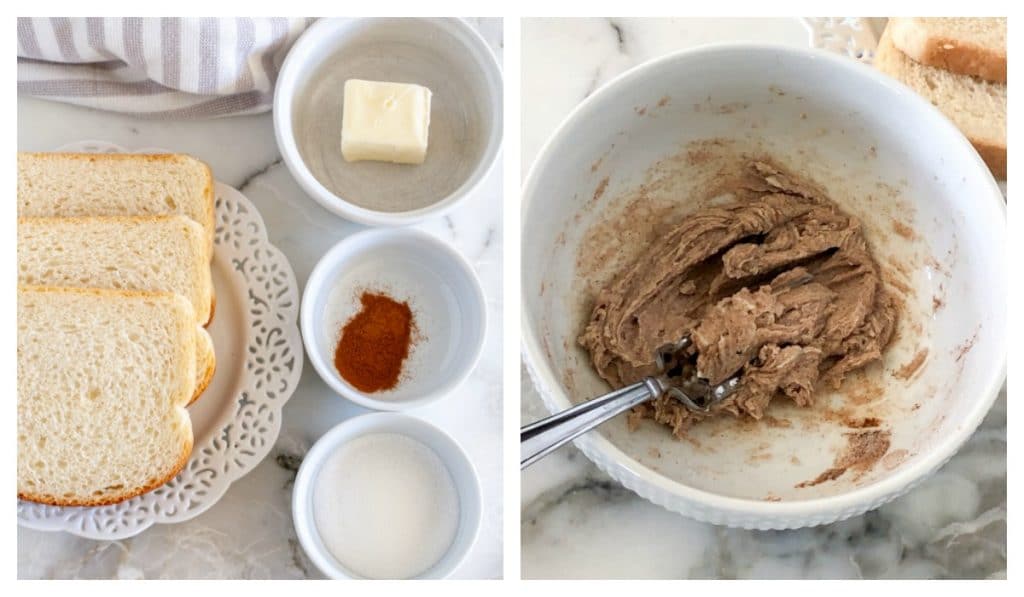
(850, 36)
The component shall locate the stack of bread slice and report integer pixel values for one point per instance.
(114, 292)
(959, 65)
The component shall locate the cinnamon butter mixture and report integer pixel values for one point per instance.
(779, 286)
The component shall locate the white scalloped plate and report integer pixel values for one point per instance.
(237, 419)
(851, 36)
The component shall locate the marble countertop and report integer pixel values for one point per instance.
(576, 521)
(249, 533)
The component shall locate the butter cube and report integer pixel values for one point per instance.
(385, 122)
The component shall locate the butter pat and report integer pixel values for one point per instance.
(385, 122)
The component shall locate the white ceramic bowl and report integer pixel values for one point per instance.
(443, 291)
(461, 469)
(445, 54)
(883, 153)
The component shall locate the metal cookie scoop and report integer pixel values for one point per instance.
(677, 378)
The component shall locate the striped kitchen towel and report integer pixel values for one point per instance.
(156, 67)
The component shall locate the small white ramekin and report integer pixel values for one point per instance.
(461, 469)
(322, 41)
(448, 303)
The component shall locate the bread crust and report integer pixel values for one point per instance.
(109, 501)
(204, 382)
(209, 368)
(957, 56)
(209, 195)
(993, 155)
(122, 219)
(173, 296)
(92, 157)
(213, 305)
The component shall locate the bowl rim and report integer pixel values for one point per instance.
(303, 517)
(285, 94)
(316, 284)
(723, 509)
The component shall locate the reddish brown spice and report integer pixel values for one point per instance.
(374, 343)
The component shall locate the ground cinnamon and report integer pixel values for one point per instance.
(374, 343)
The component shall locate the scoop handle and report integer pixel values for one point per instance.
(539, 439)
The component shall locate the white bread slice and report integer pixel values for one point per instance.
(103, 380)
(116, 184)
(206, 363)
(151, 253)
(977, 107)
(969, 46)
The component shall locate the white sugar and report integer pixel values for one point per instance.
(386, 506)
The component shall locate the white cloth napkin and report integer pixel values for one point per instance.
(156, 67)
